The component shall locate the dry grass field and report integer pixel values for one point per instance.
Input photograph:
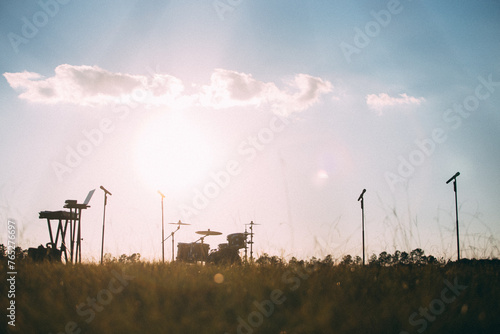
(310, 297)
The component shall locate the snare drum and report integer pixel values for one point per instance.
(236, 240)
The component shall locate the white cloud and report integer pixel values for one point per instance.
(230, 88)
(383, 100)
(91, 86)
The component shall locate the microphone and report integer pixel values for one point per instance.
(453, 177)
(362, 193)
(159, 192)
(107, 192)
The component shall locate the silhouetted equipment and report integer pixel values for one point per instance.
(454, 179)
(237, 240)
(106, 193)
(361, 198)
(192, 252)
(179, 224)
(251, 240)
(41, 253)
(208, 232)
(163, 232)
(226, 253)
(60, 244)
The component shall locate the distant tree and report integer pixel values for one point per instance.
(20, 253)
(432, 260)
(328, 261)
(136, 257)
(417, 256)
(124, 258)
(108, 258)
(313, 262)
(358, 260)
(373, 260)
(384, 259)
(275, 260)
(404, 258)
(396, 258)
(3, 251)
(294, 262)
(264, 259)
(346, 260)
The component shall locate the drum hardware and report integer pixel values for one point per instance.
(179, 224)
(251, 239)
(192, 252)
(227, 253)
(237, 240)
(162, 230)
(206, 234)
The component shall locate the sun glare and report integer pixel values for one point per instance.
(171, 153)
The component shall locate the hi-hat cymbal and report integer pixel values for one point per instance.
(179, 223)
(208, 232)
(252, 223)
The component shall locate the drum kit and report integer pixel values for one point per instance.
(226, 253)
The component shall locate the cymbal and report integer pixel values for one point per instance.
(208, 232)
(252, 223)
(179, 223)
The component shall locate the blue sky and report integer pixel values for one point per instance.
(277, 112)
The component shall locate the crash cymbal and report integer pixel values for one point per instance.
(208, 232)
(179, 223)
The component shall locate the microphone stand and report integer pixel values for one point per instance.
(104, 219)
(162, 230)
(361, 198)
(454, 178)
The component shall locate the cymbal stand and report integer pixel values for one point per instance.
(251, 240)
(201, 239)
(246, 246)
(172, 235)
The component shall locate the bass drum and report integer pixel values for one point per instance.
(192, 252)
(225, 256)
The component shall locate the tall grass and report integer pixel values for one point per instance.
(187, 298)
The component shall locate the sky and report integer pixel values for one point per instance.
(277, 112)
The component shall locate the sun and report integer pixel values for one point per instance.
(171, 153)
